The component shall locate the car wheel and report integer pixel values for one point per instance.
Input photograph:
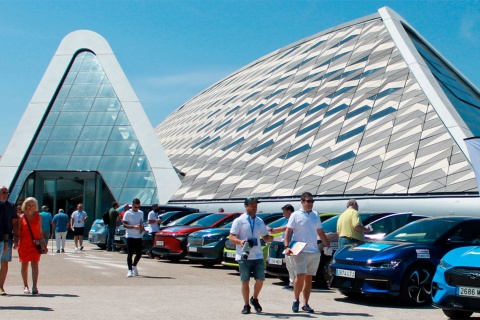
(416, 285)
(208, 264)
(350, 294)
(323, 276)
(457, 314)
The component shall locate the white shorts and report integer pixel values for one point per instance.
(307, 263)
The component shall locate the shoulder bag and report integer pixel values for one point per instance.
(39, 244)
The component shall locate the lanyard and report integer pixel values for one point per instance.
(252, 224)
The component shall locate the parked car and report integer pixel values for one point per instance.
(206, 246)
(171, 243)
(456, 284)
(98, 234)
(382, 224)
(147, 240)
(403, 263)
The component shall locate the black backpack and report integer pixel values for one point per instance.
(106, 218)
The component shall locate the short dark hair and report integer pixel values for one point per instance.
(115, 203)
(305, 194)
(136, 201)
(154, 205)
(288, 207)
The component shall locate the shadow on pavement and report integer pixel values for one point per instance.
(25, 308)
(152, 277)
(45, 295)
(379, 302)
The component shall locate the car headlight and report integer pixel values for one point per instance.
(444, 265)
(386, 264)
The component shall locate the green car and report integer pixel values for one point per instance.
(229, 252)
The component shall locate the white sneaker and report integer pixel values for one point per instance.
(76, 249)
(135, 271)
(129, 274)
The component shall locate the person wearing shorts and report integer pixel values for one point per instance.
(12, 220)
(248, 228)
(77, 223)
(305, 225)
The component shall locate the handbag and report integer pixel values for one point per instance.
(39, 244)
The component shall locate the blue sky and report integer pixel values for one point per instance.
(173, 50)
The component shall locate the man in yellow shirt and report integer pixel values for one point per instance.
(349, 226)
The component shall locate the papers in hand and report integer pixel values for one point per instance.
(296, 247)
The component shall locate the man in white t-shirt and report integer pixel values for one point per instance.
(154, 220)
(77, 224)
(133, 223)
(305, 225)
(248, 228)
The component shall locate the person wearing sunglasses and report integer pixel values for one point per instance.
(305, 225)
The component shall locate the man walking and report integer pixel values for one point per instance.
(245, 233)
(349, 226)
(287, 212)
(112, 225)
(11, 217)
(133, 223)
(46, 223)
(305, 225)
(154, 220)
(77, 223)
(60, 225)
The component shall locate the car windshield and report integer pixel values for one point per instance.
(183, 221)
(97, 225)
(278, 223)
(208, 221)
(423, 231)
(330, 225)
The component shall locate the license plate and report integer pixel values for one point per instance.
(192, 249)
(469, 291)
(345, 273)
(230, 254)
(275, 261)
(117, 238)
(159, 243)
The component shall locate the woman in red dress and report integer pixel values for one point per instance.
(27, 252)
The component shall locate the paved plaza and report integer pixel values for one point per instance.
(92, 284)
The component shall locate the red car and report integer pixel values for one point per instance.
(171, 243)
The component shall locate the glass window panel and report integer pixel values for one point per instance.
(200, 142)
(223, 125)
(288, 105)
(53, 162)
(356, 112)
(261, 147)
(145, 195)
(51, 119)
(107, 91)
(300, 107)
(204, 126)
(273, 105)
(210, 142)
(77, 104)
(72, 118)
(45, 133)
(83, 91)
(123, 133)
(102, 118)
(38, 147)
(31, 162)
(232, 111)
(90, 78)
(336, 109)
(309, 128)
(84, 163)
(89, 148)
(350, 133)
(106, 104)
(139, 151)
(116, 193)
(66, 133)
(115, 179)
(140, 163)
(115, 163)
(304, 92)
(70, 78)
(59, 147)
(255, 109)
(317, 108)
(58, 104)
(231, 145)
(91, 65)
(295, 152)
(64, 91)
(140, 180)
(246, 124)
(273, 126)
(96, 132)
(382, 113)
(76, 64)
(121, 148)
(122, 119)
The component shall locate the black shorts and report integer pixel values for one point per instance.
(78, 231)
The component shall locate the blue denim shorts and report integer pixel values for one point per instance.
(247, 267)
(7, 256)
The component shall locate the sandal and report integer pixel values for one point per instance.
(34, 290)
(26, 290)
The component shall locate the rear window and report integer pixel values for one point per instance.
(97, 225)
(209, 220)
(186, 220)
(278, 223)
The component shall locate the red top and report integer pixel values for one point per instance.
(26, 248)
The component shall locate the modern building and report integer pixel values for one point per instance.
(85, 137)
(368, 109)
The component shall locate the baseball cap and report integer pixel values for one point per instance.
(251, 199)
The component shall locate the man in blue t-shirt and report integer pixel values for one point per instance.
(46, 223)
(60, 224)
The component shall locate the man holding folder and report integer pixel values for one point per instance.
(305, 225)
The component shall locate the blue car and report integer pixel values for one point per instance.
(456, 284)
(403, 263)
